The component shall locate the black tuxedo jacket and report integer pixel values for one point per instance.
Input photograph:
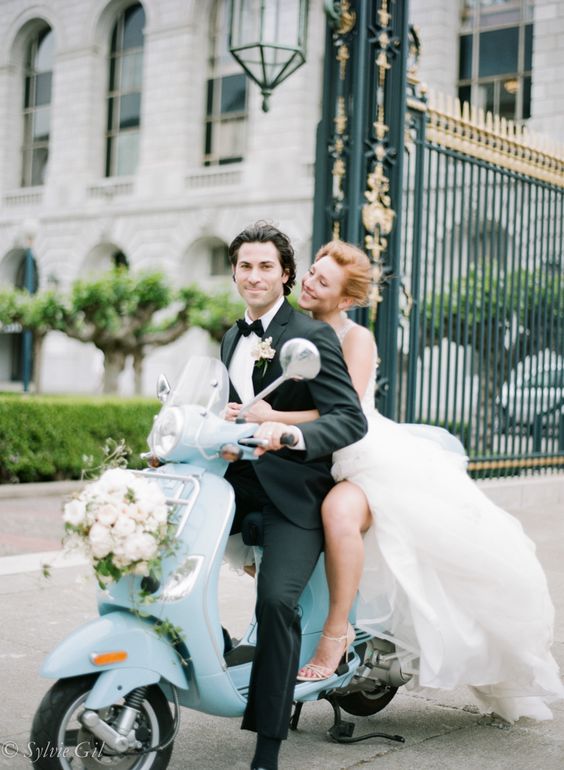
(297, 481)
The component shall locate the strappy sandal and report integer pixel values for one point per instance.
(311, 672)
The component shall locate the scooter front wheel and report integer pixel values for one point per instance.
(59, 741)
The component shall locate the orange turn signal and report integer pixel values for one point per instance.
(105, 658)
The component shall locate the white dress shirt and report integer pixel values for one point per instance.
(242, 362)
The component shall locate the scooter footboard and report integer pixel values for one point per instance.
(144, 657)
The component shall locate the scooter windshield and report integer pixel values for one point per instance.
(204, 382)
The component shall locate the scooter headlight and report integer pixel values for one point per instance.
(182, 580)
(167, 431)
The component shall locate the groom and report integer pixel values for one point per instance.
(286, 485)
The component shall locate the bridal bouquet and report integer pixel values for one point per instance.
(121, 522)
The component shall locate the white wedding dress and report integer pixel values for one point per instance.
(448, 575)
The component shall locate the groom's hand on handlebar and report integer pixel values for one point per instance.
(231, 411)
(277, 434)
(259, 412)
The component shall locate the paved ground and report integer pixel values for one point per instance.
(442, 730)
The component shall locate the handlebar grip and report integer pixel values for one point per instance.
(288, 439)
(253, 442)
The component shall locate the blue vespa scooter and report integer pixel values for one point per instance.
(118, 673)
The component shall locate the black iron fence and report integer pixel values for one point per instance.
(481, 337)
(463, 212)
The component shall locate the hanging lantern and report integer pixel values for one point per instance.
(268, 39)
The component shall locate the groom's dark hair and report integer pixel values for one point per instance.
(262, 232)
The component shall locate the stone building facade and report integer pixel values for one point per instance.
(128, 134)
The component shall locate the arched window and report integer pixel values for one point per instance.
(219, 259)
(37, 106)
(226, 96)
(124, 92)
(119, 260)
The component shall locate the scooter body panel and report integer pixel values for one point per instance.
(146, 651)
(196, 613)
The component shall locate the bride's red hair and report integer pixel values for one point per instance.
(361, 274)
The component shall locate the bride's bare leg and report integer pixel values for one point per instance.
(345, 516)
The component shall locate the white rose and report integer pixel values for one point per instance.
(120, 561)
(106, 515)
(153, 526)
(74, 512)
(123, 527)
(135, 512)
(115, 479)
(142, 568)
(161, 514)
(150, 495)
(140, 546)
(101, 540)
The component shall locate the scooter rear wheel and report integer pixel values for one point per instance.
(60, 742)
(364, 704)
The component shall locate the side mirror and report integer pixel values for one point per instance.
(163, 388)
(299, 359)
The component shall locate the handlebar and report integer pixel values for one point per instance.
(286, 439)
(253, 441)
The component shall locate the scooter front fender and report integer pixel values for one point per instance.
(149, 657)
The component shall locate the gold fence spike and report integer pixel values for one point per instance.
(466, 111)
(465, 128)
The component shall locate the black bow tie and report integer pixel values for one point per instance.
(246, 328)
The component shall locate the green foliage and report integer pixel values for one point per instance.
(216, 314)
(117, 296)
(11, 306)
(44, 312)
(122, 314)
(485, 297)
(39, 312)
(44, 438)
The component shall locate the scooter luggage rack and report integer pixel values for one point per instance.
(189, 501)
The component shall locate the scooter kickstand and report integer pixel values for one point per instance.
(341, 731)
(298, 706)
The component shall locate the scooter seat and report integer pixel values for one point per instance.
(252, 530)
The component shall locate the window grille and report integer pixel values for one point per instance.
(125, 80)
(495, 61)
(226, 97)
(38, 76)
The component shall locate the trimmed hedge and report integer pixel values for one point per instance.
(46, 438)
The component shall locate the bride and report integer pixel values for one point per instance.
(453, 578)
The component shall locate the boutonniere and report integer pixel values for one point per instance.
(263, 353)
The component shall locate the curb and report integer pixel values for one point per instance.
(533, 491)
(40, 489)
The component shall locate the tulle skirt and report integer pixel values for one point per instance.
(449, 576)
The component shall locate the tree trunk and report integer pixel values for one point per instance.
(114, 362)
(138, 356)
